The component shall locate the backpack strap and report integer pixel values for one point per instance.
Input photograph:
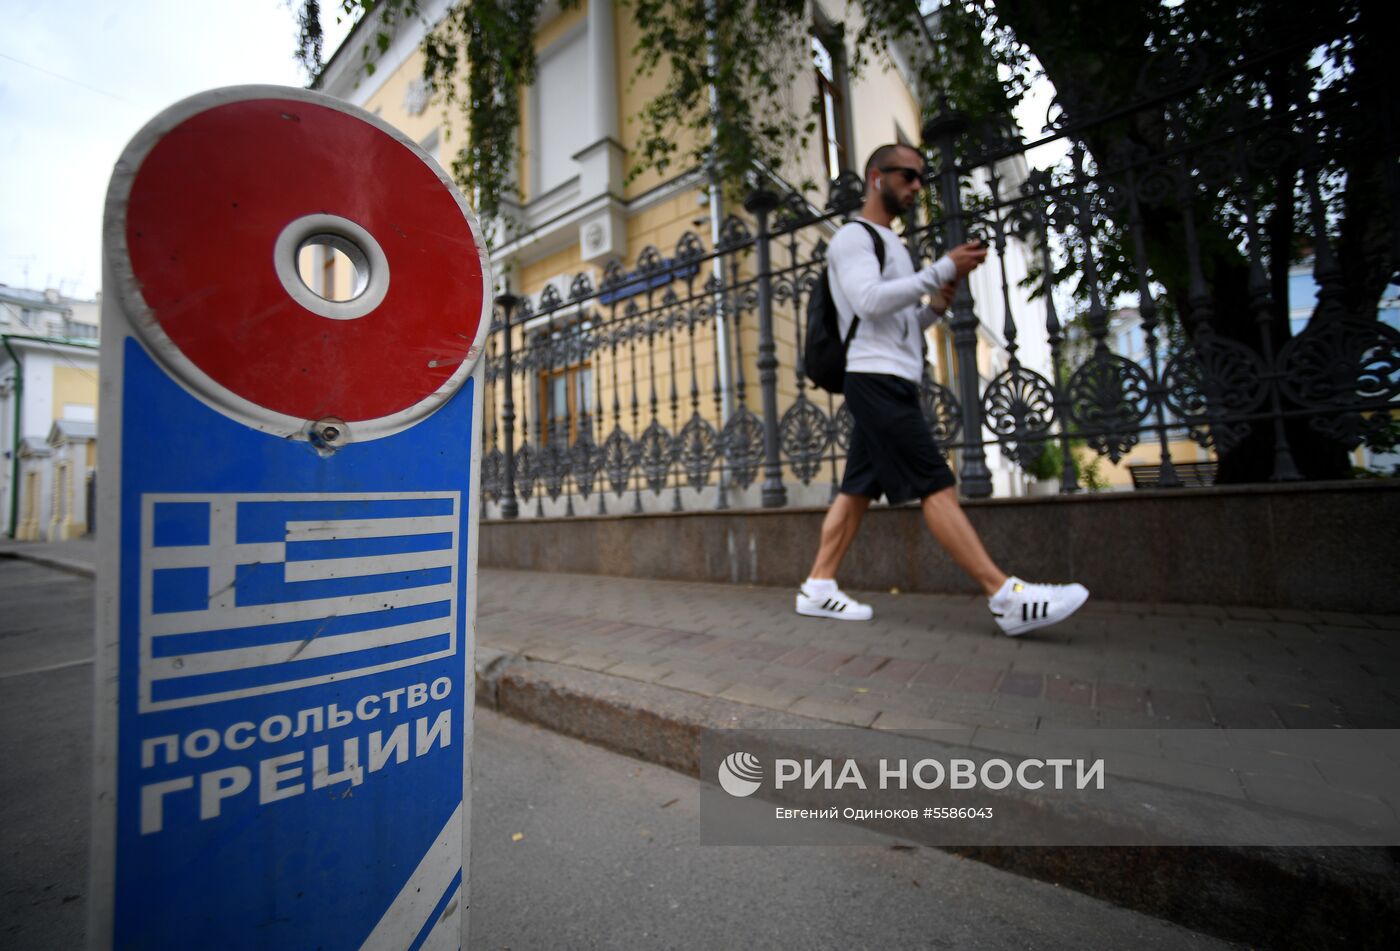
(879, 241)
(879, 256)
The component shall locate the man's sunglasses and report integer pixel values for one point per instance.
(910, 174)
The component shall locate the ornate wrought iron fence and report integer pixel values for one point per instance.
(606, 397)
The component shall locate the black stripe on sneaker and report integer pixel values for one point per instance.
(826, 605)
(1025, 611)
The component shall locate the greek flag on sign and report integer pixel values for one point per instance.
(247, 594)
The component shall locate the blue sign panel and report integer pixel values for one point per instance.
(293, 670)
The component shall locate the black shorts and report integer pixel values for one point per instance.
(892, 453)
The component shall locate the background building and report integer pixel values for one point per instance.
(48, 413)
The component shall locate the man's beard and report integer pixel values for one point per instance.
(893, 206)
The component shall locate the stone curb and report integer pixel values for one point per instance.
(80, 568)
(1265, 897)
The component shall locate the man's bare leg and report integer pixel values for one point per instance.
(949, 525)
(838, 531)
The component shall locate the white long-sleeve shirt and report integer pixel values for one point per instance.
(892, 321)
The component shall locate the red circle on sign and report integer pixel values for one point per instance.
(205, 210)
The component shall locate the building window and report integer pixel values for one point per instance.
(565, 386)
(831, 101)
(560, 117)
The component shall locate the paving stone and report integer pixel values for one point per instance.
(693, 641)
(1021, 706)
(989, 718)
(720, 645)
(596, 662)
(913, 651)
(836, 712)
(547, 652)
(1216, 780)
(634, 670)
(1179, 705)
(798, 675)
(1297, 716)
(861, 666)
(1293, 614)
(1069, 691)
(897, 721)
(1250, 614)
(1022, 684)
(977, 679)
(1318, 799)
(1018, 742)
(761, 652)
(796, 657)
(694, 682)
(1060, 716)
(1120, 697)
(775, 698)
(898, 670)
(827, 661)
(1343, 619)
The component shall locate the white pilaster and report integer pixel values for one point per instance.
(602, 234)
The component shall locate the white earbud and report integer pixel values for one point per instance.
(879, 184)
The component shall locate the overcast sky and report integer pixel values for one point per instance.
(78, 79)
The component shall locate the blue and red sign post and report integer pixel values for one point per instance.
(287, 567)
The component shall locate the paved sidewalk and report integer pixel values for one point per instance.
(935, 661)
(931, 661)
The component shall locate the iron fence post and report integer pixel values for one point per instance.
(510, 507)
(943, 131)
(760, 204)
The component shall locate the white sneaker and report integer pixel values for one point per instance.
(831, 603)
(1020, 606)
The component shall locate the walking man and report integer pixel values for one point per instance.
(892, 453)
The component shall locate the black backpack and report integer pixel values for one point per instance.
(824, 354)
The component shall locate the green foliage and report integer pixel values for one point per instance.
(1384, 437)
(750, 54)
(1050, 465)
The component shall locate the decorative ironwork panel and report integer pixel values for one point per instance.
(742, 440)
(553, 464)
(1019, 406)
(654, 455)
(1336, 364)
(699, 447)
(1210, 385)
(805, 438)
(618, 459)
(492, 464)
(525, 471)
(942, 410)
(585, 461)
(1108, 398)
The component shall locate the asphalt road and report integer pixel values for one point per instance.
(573, 846)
